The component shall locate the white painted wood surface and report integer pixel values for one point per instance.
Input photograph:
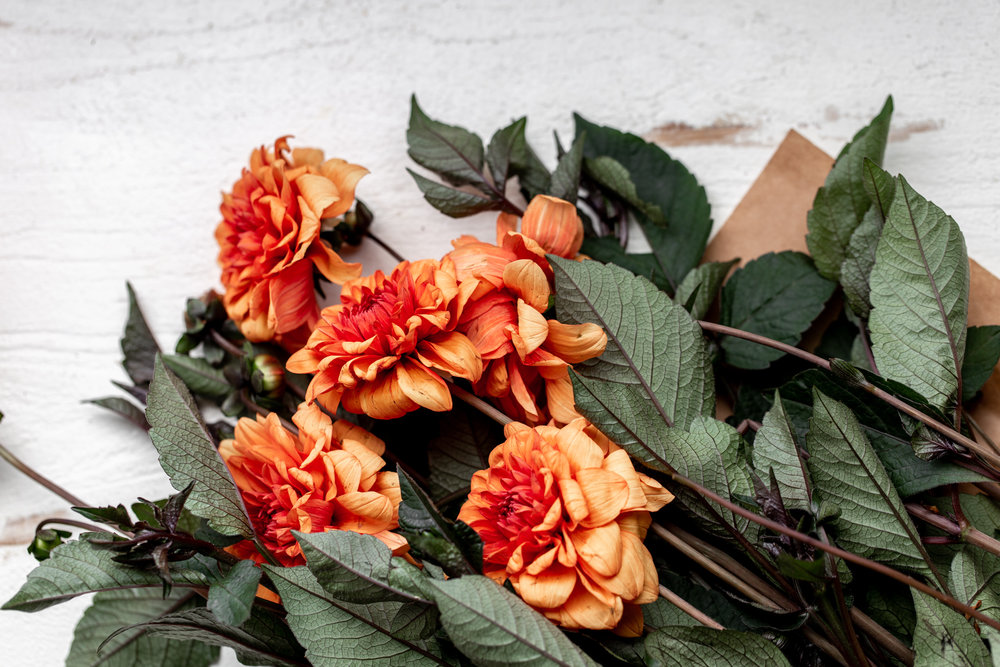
(121, 122)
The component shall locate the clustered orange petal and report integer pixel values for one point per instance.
(526, 355)
(381, 350)
(563, 514)
(269, 240)
(328, 477)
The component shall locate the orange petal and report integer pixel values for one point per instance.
(293, 298)
(561, 402)
(574, 343)
(364, 512)
(330, 264)
(307, 156)
(396, 543)
(506, 224)
(600, 548)
(606, 494)
(345, 430)
(382, 398)
(550, 588)
(527, 280)
(345, 177)
(583, 610)
(629, 581)
(532, 329)
(656, 495)
(423, 387)
(318, 193)
(578, 447)
(452, 353)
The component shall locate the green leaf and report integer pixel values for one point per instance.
(125, 408)
(710, 454)
(777, 295)
(350, 566)
(261, 640)
(198, 375)
(653, 344)
(504, 147)
(187, 454)
(700, 286)
(450, 201)
(425, 528)
(112, 516)
(494, 627)
(78, 567)
(138, 344)
(891, 606)
(565, 182)
(880, 186)
(336, 633)
(231, 598)
(607, 249)
(661, 182)
(859, 258)
(975, 579)
(113, 610)
(532, 175)
(983, 513)
(686, 646)
(881, 423)
(611, 175)
(461, 449)
(847, 472)
(982, 351)
(920, 298)
(841, 203)
(943, 637)
(453, 152)
(774, 449)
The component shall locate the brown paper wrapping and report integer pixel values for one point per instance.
(771, 217)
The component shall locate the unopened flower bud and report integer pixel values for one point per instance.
(45, 541)
(268, 376)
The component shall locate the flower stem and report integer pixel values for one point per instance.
(479, 404)
(226, 344)
(689, 609)
(969, 534)
(20, 465)
(385, 246)
(253, 407)
(70, 522)
(983, 452)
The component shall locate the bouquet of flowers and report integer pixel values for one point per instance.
(544, 448)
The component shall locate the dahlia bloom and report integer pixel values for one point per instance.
(269, 240)
(526, 356)
(562, 514)
(380, 351)
(325, 478)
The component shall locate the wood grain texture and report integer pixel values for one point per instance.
(121, 122)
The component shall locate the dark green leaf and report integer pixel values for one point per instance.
(841, 203)
(262, 639)
(78, 567)
(231, 598)
(774, 449)
(607, 249)
(983, 513)
(187, 454)
(350, 566)
(201, 377)
(975, 579)
(653, 344)
(859, 258)
(113, 610)
(683, 646)
(462, 448)
(531, 173)
(450, 201)
(880, 186)
(125, 408)
(138, 344)
(777, 295)
(891, 606)
(419, 518)
(982, 351)
(612, 176)
(662, 182)
(920, 298)
(504, 147)
(112, 516)
(494, 627)
(943, 637)
(336, 633)
(565, 182)
(881, 423)
(700, 286)
(847, 472)
(804, 570)
(453, 152)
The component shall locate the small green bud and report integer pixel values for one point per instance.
(268, 375)
(45, 541)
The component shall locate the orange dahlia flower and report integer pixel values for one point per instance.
(380, 351)
(328, 477)
(269, 239)
(562, 514)
(527, 356)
